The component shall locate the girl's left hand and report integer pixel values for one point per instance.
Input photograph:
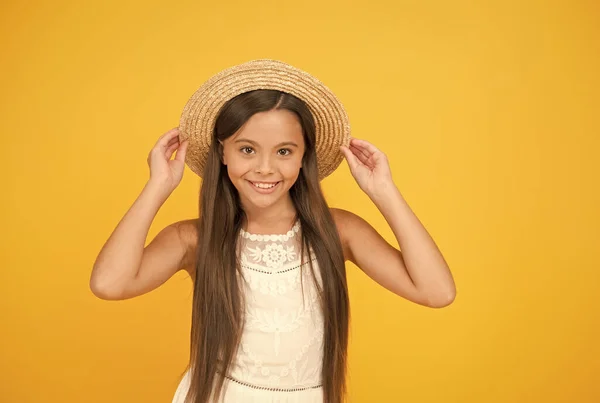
(369, 166)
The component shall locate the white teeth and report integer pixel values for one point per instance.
(262, 186)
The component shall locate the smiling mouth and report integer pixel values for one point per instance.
(264, 185)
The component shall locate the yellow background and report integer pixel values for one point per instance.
(488, 112)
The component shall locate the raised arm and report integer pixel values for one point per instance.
(418, 271)
(125, 268)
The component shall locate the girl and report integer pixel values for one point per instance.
(266, 255)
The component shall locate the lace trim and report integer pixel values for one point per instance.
(272, 237)
(276, 272)
(272, 389)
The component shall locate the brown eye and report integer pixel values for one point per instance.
(288, 152)
(245, 148)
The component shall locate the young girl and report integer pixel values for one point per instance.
(266, 255)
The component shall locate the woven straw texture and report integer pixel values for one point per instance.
(200, 113)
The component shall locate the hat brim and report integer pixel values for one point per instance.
(200, 113)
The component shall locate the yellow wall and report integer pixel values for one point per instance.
(488, 112)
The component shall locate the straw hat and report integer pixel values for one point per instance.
(200, 113)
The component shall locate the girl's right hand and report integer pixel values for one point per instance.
(164, 171)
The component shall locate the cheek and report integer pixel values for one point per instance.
(237, 167)
(292, 170)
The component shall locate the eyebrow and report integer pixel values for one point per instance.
(285, 143)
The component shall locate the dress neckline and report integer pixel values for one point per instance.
(272, 237)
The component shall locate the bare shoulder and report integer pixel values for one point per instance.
(347, 223)
(357, 235)
(188, 235)
(371, 253)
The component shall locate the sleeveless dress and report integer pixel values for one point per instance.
(280, 355)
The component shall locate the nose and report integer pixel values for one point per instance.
(264, 165)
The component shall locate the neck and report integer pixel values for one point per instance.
(274, 219)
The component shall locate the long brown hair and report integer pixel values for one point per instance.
(217, 314)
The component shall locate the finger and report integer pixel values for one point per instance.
(174, 139)
(372, 157)
(366, 161)
(364, 151)
(350, 158)
(362, 155)
(180, 156)
(169, 151)
(169, 132)
(363, 144)
(167, 137)
(353, 161)
(165, 147)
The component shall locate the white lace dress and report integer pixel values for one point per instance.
(279, 359)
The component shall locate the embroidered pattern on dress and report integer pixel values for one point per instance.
(273, 255)
(281, 344)
(297, 370)
(277, 322)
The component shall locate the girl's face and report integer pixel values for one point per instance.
(264, 157)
